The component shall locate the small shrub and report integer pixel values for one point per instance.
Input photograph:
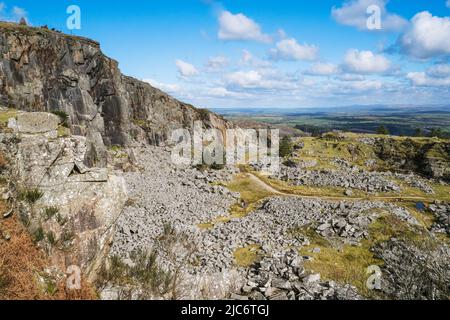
(140, 123)
(50, 212)
(286, 147)
(115, 148)
(168, 231)
(51, 288)
(63, 116)
(51, 238)
(203, 114)
(145, 277)
(38, 234)
(61, 219)
(66, 238)
(383, 130)
(24, 219)
(31, 196)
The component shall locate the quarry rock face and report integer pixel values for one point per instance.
(85, 201)
(43, 70)
(56, 81)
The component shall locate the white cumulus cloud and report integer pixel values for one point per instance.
(248, 59)
(366, 85)
(19, 12)
(217, 63)
(435, 76)
(245, 79)
(427, 37)
(13, 15)
(240, 27)
(365, 62)
(166, 87)
(291, 50)
(220, 92)
(186, 69)
(439, 70)
(354, 13)
(323, 69)
(262, 79)
(422, 79)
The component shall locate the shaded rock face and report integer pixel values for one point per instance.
(431, 159)
(414, 273)
(42, 70)
(437, 162)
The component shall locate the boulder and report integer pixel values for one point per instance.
(89, 199)
(37, 122)
(312, 278)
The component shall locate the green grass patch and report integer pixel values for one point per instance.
(252, 193)
(38, 234)
(63, 132)
(49, 213)
(115, 148)
(312, 191)
(6, 115)
(31, 196)
(247, 256)
(206, 226)
(250, 190)
(346, 263)
(325, 150)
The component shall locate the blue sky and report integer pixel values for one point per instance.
(285, 53)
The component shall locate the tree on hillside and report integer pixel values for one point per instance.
(419, 132)
(436, 133)
(286, 146)
(382, 130)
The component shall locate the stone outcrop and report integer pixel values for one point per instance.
(427, 157)
(43, 70)
(425, 266)
(70, 209)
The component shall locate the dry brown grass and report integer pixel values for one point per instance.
(3, 162)
(21, 263)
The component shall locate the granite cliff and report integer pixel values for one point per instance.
(64, 107)
(44, 70)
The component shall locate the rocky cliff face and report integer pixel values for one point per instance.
(69, 194)
(43, 70)
(69, 209)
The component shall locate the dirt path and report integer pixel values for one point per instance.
(264, 185)
(271, 189)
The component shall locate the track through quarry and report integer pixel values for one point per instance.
(271, 189)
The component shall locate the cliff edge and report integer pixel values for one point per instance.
(47, 71)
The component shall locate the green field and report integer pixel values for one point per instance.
(402, 122)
